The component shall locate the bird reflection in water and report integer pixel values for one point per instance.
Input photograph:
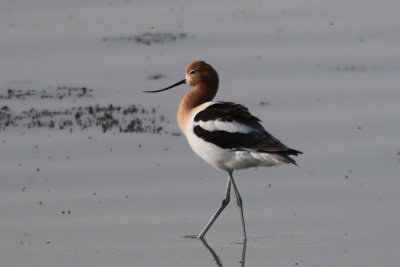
(215, 256)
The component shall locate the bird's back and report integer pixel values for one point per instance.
(230, 137)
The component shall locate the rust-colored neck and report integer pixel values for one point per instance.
(200, 94)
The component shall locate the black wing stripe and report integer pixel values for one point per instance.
(262, 142)
(229, 112)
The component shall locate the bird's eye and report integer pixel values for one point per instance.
(192, 72)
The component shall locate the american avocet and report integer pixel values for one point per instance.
(225, 134)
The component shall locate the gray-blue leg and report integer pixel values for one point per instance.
(224, 203)
(239, 203)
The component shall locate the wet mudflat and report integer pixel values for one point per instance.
(95, 173)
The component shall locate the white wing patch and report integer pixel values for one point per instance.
(219, 125)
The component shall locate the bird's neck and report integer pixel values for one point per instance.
(200, 94)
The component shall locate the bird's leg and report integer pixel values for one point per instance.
(239, 203)
(243, 253)
(224, 203)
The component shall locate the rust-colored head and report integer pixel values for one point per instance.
(199, 72)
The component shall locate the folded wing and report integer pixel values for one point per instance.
(231, 126)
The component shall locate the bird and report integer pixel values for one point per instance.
(226, 135)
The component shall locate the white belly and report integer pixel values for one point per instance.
(228, 159)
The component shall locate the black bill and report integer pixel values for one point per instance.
(169, 87)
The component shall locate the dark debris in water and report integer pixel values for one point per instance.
(149, 38)
(60, 93)
(349, 68)
(348, 174)
(122, 119)
(129, 119)
(156, 76)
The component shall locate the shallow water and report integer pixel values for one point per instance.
(322, 76)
